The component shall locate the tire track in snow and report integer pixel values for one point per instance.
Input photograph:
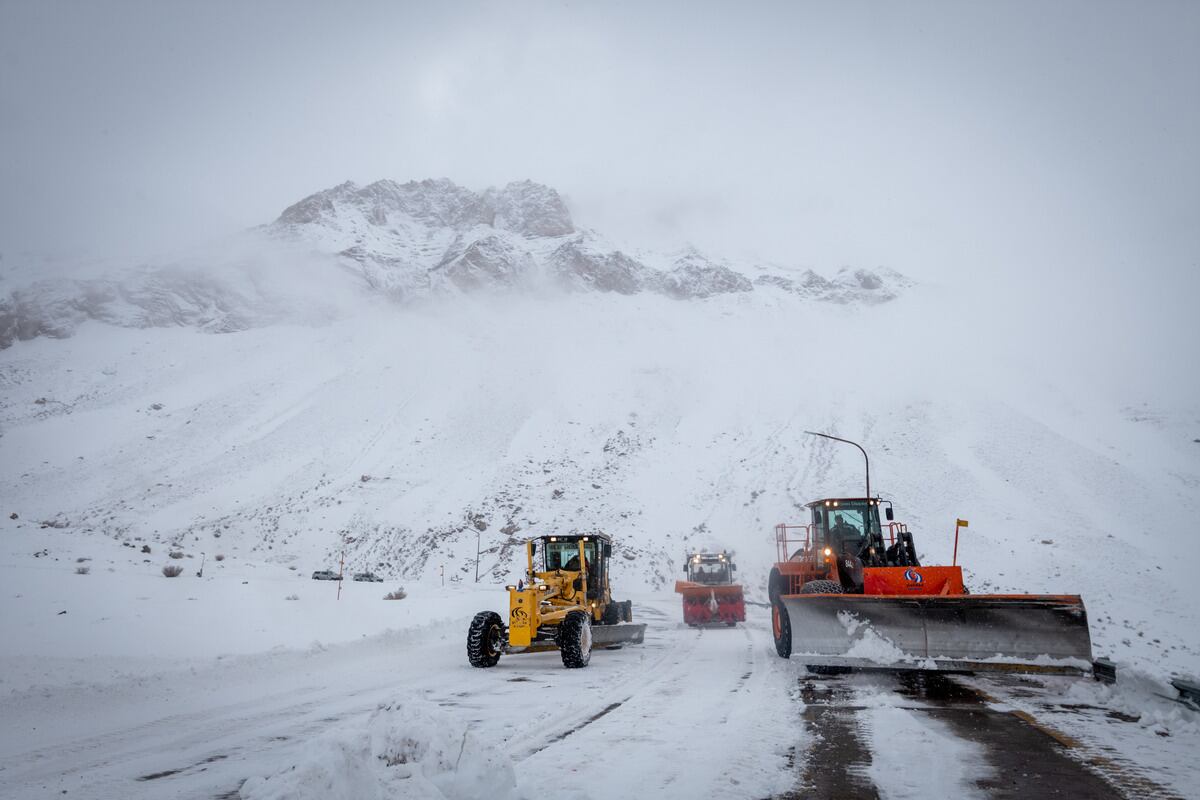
(898, 735)
(701, 723)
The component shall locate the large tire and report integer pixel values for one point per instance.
(774, 585)
(627, 611)
(485, 638)
(612, 613)
(575, 639)
(781, 628)
(823, 587)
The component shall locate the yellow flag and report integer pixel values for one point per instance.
(962, 523)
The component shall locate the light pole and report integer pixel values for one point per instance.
(860, 449)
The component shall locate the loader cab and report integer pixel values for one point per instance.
(844, 523)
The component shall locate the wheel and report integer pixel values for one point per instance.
(822, 587)
(627, 608)
(485, 638)
(729, 623)
(612, 613)
(575, 640)
(781, 628)
(774, 585)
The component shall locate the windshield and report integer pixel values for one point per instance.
(844, 524)
(712, 572)
(564, 554)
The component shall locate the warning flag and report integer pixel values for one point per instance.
(962, 523)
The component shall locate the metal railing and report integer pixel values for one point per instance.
(788, 539)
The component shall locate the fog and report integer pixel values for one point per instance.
(1043, 154)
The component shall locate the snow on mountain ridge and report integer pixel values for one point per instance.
(405, 241)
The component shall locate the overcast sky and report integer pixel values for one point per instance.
(940, 139)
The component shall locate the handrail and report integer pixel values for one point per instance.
(893, 529)
(782, 540)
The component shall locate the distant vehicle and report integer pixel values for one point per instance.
(326, 575)
(369, 577)
(710, 597)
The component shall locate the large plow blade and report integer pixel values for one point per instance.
(617, 635)
(720, 591)
(1016, 633)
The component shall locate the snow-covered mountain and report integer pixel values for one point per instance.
(406, 242)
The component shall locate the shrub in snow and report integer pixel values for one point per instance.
(220, 556)
(175, 554)
(172, 570)
(145, 548)
(292, 597)
(399, 594)
(409, 749)
(82, 570)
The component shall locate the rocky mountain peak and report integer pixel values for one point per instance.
(528, 208)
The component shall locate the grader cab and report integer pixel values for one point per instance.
(563, 603)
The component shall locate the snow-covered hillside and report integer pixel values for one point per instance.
(403, 242)
(404, 437)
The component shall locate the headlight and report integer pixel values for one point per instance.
(828, 552)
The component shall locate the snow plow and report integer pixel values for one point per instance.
(842, 599)
(842, 596)
(566, 605)
(710, 597)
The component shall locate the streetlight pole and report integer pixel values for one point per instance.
(866, 460)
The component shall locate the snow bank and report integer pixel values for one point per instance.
(408, 748)
(1143, 696)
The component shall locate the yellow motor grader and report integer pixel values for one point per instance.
(566, 605)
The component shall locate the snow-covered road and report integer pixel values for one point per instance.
(691, 714)
(685, 714)
(258, 681)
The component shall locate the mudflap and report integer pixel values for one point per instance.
(613, 636)
(1013, 633)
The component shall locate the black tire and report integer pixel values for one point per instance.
(612, 613)
(627, 609)
(485, 638)
(822, 587)
(575, 639)
(781, 628)
(774, 585)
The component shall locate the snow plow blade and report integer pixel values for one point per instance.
(704, 604)
(1012, 633)
(617, 635)
(689, 589)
